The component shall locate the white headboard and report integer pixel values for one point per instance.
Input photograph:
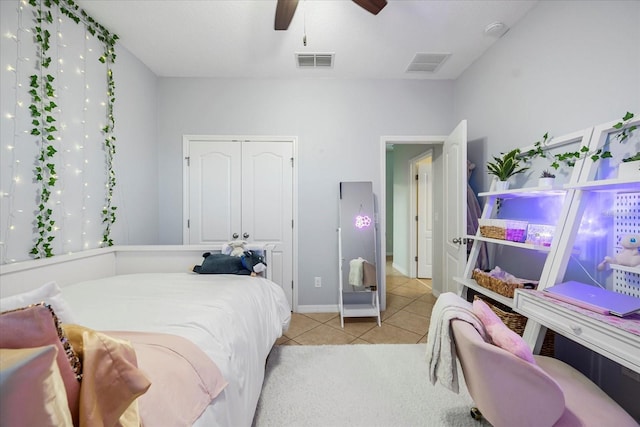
(106, 262)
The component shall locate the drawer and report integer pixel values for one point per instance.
(614, 343)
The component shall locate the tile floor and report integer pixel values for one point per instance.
(405, 320)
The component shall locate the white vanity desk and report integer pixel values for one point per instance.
(615, 338)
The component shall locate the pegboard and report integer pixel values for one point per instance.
(626, 221)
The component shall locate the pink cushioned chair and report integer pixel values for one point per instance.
(509, 391)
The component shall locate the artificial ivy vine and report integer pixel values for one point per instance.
(42, 105)
(42, 95)
(622, 131)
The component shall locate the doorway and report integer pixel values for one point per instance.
(399, 201)
(421, 204)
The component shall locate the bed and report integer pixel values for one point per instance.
(233, 319)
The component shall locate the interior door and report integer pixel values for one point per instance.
(213, 208)
(455, 206)
(267, 204)
(425, 218)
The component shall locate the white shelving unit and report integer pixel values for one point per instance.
(490, 208)
(598, 334)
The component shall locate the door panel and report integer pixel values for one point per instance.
(267, 204)
(455, 152)
(214, 200)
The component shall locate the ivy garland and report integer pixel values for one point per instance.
(622, 132)
(42, 96)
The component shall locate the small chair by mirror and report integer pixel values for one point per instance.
(357, 252)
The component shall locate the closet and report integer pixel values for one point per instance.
(241, 189)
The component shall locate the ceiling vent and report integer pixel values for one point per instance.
(314, 60)
(427, 62)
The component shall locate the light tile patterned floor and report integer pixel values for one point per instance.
(405, 321)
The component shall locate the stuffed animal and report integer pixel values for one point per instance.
(221, 264)
(629, 255)
(253, 262)
(235, 248)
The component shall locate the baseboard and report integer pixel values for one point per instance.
(400, 269)
(329, 308)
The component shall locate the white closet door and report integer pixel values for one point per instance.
(214, 191)
(243, 190)
(267, 204)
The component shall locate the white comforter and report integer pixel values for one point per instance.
(234, 319)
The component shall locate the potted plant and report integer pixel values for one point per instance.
(546, 179)
(505, 167)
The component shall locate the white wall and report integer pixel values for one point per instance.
(339, 124)
(566, 66)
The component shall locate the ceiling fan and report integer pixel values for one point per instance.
(286, 8)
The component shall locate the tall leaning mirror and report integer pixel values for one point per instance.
(357, 237)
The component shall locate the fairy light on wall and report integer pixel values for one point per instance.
(80, 132)
(15, 223)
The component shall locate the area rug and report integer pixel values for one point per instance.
(357, 385)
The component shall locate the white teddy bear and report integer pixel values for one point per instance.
(234, 248)
(629, 255)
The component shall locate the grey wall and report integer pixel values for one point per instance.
(338, 124)
(566, 66)
(136, 164)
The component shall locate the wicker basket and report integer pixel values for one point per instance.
(493, 232)
(498, 286)
(517, 322)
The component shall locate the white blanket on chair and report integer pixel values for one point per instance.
(441, 352)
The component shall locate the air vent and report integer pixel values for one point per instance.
(427, 62)
(314, 60)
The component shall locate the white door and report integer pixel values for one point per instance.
(267, 204)
(242, 190)
(455, 206)
(214, 202)
(425, 218)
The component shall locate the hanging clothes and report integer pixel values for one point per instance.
(474, 212)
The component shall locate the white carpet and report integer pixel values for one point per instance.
(357, 385)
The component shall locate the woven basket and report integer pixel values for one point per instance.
(493, 232)
(517, 322)
(496, 285)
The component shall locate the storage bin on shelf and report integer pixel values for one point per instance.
(517, 322)
(501, 282)
(540, 234)
(503, 229)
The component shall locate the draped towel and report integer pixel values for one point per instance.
(441, 352)
(356, 272)
(369, 278)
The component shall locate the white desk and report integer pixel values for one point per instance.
(615, 338)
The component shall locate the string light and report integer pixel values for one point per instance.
(74, 175)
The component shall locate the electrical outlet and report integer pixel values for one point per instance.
(318, 282)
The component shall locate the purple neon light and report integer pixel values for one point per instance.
(363, 221)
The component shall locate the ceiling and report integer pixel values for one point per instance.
(236, 39)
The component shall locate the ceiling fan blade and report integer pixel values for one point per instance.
(284, 13)
(373, 6)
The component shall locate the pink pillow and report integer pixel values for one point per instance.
(500, 334)
(37, 326)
